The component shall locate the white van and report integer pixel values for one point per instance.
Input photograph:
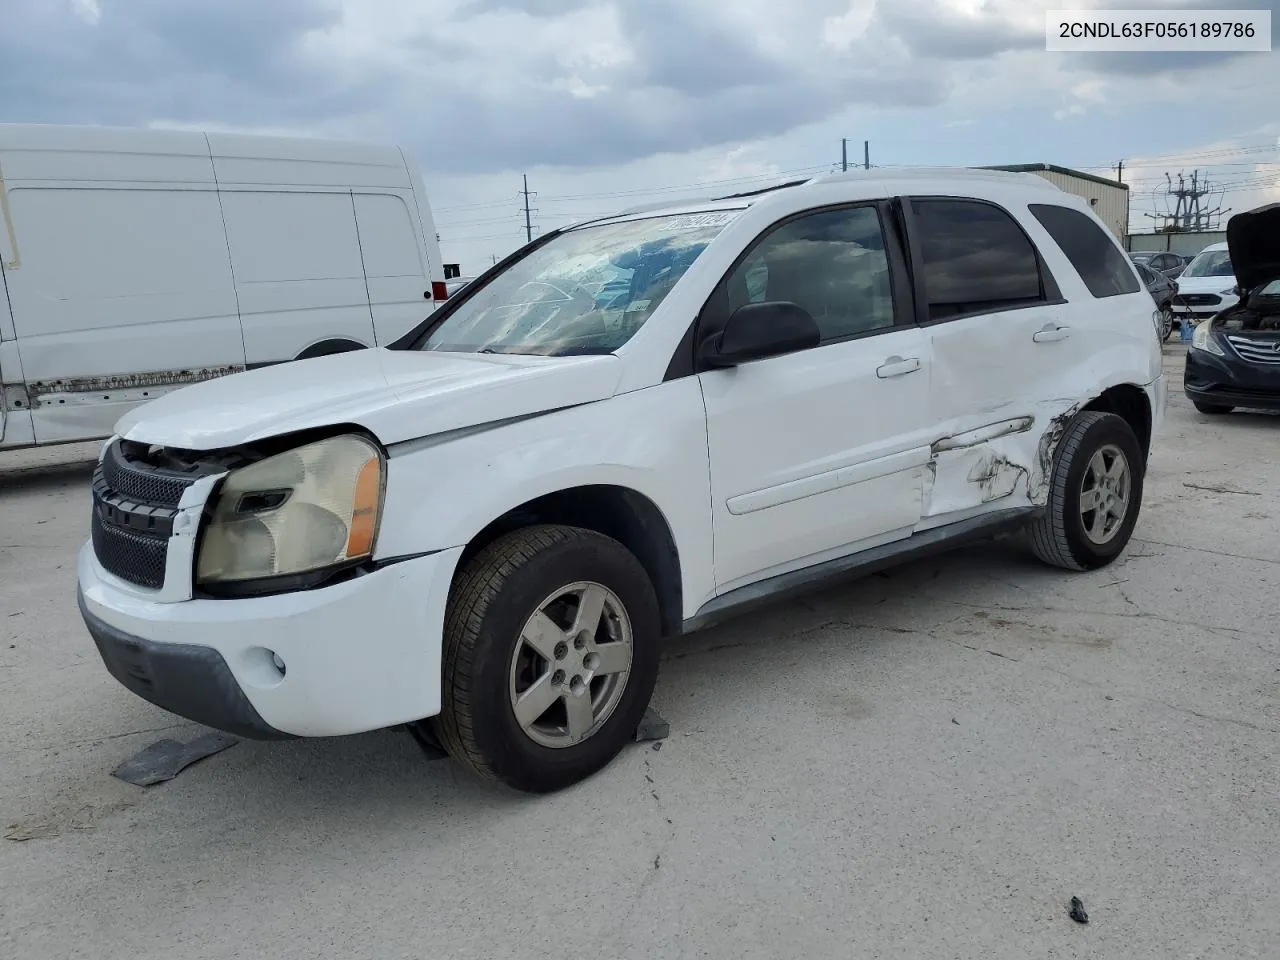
(133, 262)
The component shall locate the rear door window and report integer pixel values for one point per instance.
(1103, 268)
(976, 258)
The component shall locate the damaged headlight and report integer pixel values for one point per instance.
(299, 512)
(1203, 339)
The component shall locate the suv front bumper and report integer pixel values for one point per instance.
(359, 655)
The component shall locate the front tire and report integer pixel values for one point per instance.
(1166, 323)
(551, 650)
(1095, 494)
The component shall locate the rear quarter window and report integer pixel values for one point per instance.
(1103, 268)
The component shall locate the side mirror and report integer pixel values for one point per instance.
(759, 330)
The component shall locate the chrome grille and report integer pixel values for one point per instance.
(1256, 349)
(1198, 299)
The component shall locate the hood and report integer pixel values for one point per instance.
(1204, 284)
(396, 395)
(1254, 241)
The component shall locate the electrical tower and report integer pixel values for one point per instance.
(1190, 213)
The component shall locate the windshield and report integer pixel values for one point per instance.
(1211, 263)
(585, 291)
(1141, 257)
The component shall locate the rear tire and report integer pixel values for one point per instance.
(1166, 323)
(1095, 494)
(1212, 409)
(520, 632)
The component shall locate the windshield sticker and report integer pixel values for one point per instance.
(691, 221)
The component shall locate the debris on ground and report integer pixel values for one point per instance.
(165, 759)
(1077, 911)
(652, 727)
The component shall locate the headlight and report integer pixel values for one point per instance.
(1227, 293)
(298, 512)
(1203, 339)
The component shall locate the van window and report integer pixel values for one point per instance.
(1101, 265)
(976, 258)
(387, 241)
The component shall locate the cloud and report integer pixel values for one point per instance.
(479, 86)
(963, 29)
(87, 10)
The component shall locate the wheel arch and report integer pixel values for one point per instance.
(1132, 405)
(619, 512)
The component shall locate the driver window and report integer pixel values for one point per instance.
(833, 264)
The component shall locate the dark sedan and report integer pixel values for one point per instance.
(1170, 265)
(1162, 290)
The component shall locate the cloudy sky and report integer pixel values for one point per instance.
(605, 103)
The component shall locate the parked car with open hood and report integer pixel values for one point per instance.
(486, 530)
(1207, 286)
(1234, 360)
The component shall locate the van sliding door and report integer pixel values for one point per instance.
(393, 265)
(296, 258)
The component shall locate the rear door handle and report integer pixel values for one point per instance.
(1051, 333)
(897, 367)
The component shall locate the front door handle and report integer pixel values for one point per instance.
(1051, 333)
(897, 367)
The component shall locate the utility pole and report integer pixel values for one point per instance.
(528, 220)
(844, 155)
(866, 154)
(1120, 171)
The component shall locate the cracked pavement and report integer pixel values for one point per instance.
(925, 763)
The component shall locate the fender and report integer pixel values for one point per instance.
(652, 441)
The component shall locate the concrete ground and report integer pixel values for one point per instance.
(925, 764)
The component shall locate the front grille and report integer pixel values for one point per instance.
(134, 505)
(1197, 299)
(138, 558)
(141, 481)
(1256, 350)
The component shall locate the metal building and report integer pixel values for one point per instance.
(1109, 198)
(1187, 244)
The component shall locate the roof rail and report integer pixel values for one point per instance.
(762, 190)
(709, 198)
(932, 173)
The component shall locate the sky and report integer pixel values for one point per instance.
(608, 103)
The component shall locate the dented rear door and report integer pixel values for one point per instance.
(997, 332)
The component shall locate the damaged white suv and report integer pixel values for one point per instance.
(628, 429)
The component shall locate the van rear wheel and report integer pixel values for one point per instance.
(550, 657)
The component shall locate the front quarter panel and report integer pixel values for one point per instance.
(441, 492)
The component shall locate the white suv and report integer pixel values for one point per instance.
(486, 530)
